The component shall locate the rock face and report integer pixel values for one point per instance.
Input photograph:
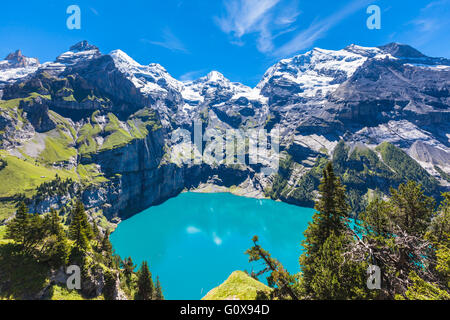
(18, 60)
(14, 67)
(123, 120)
(37, 114)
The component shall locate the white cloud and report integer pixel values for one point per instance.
(288, 14)
(436, 4)
(169, 41)
(192, 75)
(318, 29)
(261, 17)
(244, 16)
(429, 26)
(94, 11)
(270, 19)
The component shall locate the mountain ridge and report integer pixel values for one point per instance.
(394, 49)
(109, 123)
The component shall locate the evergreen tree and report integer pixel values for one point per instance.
(18, 228)
(106, 245)
(423, 290)
(279, 278)
(59, 253)
(145, 283)
(28, 230)
(439, 235)
(326, 275)
(79, 229)
(128, 267)
(109, 291)
(158, 290)
(400, 237)
(376, 218)
(412, 210)
(95, 230)
(52, 222)
(439, 229)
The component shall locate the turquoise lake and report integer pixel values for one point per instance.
(194, 241)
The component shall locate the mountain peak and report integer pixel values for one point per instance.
(399, 50)
(17, 59)
(122, 58)
(215, 76)
(83, 46)
(79, 52)
(14, 55)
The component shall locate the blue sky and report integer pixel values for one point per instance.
(240, 38)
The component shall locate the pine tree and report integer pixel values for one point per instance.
(145, 283)
(412, 208)
(279, 279)
(18, 228)
(79, 228)
(28, 230)
(128, 267)
(52, 222)
(439, 230)
(59, 253)
(376, 218)
(158, 290)
(95, 230)
(106, 245)
(109, 290)
(325, 275)
(400, 237)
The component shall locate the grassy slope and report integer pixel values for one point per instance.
(62, 293)
(57, 149)
(239, 285)
(23, 176)
(406, 167)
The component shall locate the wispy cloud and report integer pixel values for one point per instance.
(430, 25)
(94, 11)
(436, 4)
(169, 41)
(318, 29)
(262, 17)
(426, 25)
(192, 75)
(244, 16)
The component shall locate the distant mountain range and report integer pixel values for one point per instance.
(382, 115)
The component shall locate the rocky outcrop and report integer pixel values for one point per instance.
(37, 114)
(18, 60)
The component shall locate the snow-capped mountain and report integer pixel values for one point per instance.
(312, 75)
(16, 66)
(81, 52)
(214, 88)
(362, 95)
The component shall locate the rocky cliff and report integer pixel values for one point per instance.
(113, 126)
